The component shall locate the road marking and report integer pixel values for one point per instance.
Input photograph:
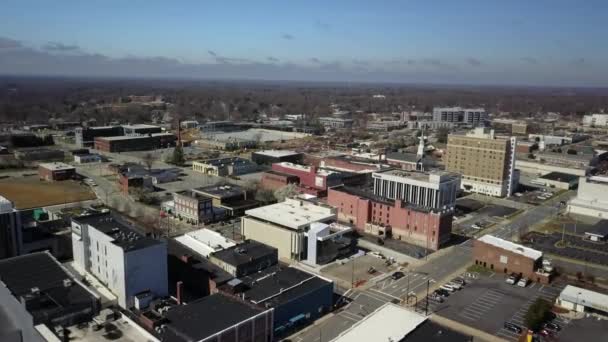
(381, 293)
(491, 275)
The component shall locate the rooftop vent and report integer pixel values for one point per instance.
(35, 290)
(67, 282)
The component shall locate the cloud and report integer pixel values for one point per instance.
(323, 26)
(60, 47)
(287, 36)
(212, 53)
(474, 62)
(315, 60)
(227, 60)
(530, 60)
(272, 59)
(7, 43)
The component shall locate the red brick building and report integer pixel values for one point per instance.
(506, 257)
(379, 216)
(56, 171)
(273, 180)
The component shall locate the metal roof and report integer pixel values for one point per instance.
(511, 246)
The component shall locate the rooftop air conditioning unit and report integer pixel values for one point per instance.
(67, 282)
(35, 290)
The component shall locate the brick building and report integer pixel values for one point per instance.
(504, 256)
(315, 181)
(422, 226)
(273, 180)
(56, 171)
(135, 143)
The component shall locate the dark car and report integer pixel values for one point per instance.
(552, 326)
(512, 327)
(397, 275)
(442, 292)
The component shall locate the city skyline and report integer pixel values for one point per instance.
(475, 42)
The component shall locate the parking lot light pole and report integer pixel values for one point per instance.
(426, 306)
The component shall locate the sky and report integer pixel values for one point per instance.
(515, 42)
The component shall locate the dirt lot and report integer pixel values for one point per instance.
(359, 271)
(30, 192)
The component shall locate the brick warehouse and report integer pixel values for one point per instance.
(504, 256)
(376, 215)
(56, 171)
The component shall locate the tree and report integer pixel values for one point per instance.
(148, 159)
(288, 190)
(264, 196)
(177, 158)
(538, 313)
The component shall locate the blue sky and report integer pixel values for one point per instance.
(540, 42)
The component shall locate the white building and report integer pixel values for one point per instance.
(128, 263)
(282, 225)
(471, 116)
(390, 322)
(582, 300)
(87, 158)
(591, 198)
(319, 233)
(205, 241)
(435, 190)
(596, 120)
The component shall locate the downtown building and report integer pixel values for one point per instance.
(459, 115)
(486, 163)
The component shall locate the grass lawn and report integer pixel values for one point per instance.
(30, 192)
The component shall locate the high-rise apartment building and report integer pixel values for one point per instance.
(486, 163)
(470, 116)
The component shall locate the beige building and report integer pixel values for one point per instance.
(486, 163)
(283, 225)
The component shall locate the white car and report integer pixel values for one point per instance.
(376, 255)
(455, 285)
(447, 287)
(523, 282)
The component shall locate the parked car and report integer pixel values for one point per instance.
(552, 326)
(436, 297)
(447, 287)
(460, 281)
(544, 333)
(442, 292)
(475, 226)
(512, 279)
(397, 275)
(376, 255)
(523, 282)
(456, 286)
(512, 327)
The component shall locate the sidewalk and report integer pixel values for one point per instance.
(478, 335)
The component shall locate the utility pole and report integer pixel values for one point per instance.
(352, 275)
(426, 306)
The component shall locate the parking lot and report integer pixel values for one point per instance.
(357, 270)
(487, 302)
(533, 195)
(474, 216)
(575, 248)
(584, 329)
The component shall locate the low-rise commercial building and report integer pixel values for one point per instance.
(591, 198)
(245, 258)
(217, 318)
(37, 292)
(222, 167)
(85, 137)
(310, 177)
(140, 129)
(508, 257)
(536, 167)
(578, 299)
(273, 180)
(368, 213)
(283, 225)
(558, 180)
(231, 198)
(120, 257)
(226, 144)
(135, 143)
(596, 120)
(87, 158)
(205, 241)
(194, 207)
(56, 171)
(39, 154)
(134, 177)
(331, 122)
(268, 157)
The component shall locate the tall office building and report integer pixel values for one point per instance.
(486, 163)
(10, 229)
(433, 190)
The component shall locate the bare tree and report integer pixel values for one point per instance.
(148, 159)
(288, 190)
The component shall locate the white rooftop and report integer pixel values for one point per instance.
(511, 246)
(136, 126)
(277, 153)
(390, 322)
(205, 241)
(58, 166)
(6, 206)
(293, 213)
(596, 300)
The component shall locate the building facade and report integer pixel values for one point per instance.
(487, 164)
(268, 157)
(135, 143)
(56, 171)
(469, 116)
(194, 207)
(591, 198)
(221, 167)
(596, 120)
(435, 190)
(125, 261)
(273, 180)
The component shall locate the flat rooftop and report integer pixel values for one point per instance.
(277, 153)
(136, 126)
(560, 177)
(40, 270)
(277, 285)
(390, 322)
(221, 191)
(584, 297)
(434, 177)
(224, 161)
(244, 253)
(135, 137)
(57, 166)
(511, 247)
(205, 241)
(405, 157)
(124, 234)
(293, 213)
(205, 317)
